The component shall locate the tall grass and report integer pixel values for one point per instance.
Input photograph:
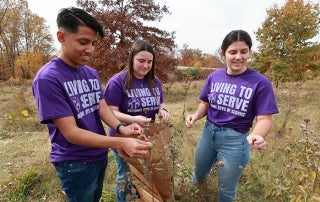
(287, 171)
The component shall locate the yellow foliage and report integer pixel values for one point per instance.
(267, 192)
(28, 64)
(29, 60)
(25, 113)
(313, 175)
(197, 64)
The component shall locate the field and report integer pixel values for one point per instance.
(289, 170)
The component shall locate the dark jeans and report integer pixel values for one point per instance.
(82, 181)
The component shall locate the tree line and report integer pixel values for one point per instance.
(25, 42)
(286, 51)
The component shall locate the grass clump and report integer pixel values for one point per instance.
(21, 188)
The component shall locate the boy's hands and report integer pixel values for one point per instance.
(133, 147)
(132, 130)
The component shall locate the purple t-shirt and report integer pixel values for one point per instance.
(62, 91)
(235, 100)
(139, 100)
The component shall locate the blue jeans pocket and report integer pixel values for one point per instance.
(71, 168)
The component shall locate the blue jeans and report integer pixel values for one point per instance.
(230, 150)
(82, 181)
(123, 186)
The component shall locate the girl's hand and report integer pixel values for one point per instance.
(141, 120)
(132, 130)
(164, 114)
(257, 142)
(190, 119)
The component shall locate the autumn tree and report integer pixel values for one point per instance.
(124, 22)
(25, 41)
(9, 24)
(211, 61)
(196, 58)
(36, 47)
(286, 51)
(186, 56)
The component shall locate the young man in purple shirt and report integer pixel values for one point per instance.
(70, 101)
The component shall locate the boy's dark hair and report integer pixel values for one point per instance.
(71, 18)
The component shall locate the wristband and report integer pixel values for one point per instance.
(164, 109)
(119, 125)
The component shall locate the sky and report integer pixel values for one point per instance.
(201, 24)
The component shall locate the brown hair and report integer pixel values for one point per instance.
(138, 46)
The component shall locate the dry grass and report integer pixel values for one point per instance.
(25, 146)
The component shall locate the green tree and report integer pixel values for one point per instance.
(286, 51)
(124, 22)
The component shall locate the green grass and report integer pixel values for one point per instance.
(287, 171)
